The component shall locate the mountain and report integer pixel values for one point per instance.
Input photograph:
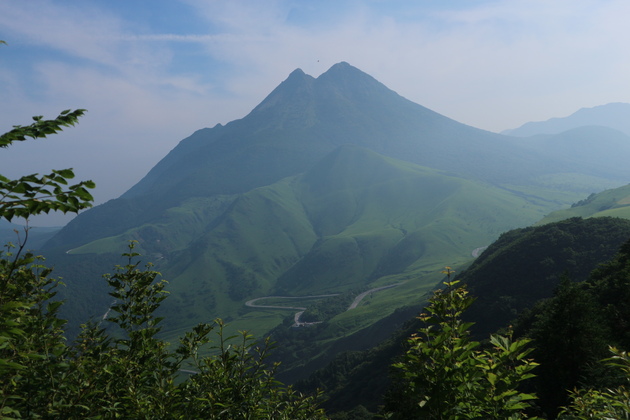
(331, 185)
(614, 115)
(525, 265)
(302, 120)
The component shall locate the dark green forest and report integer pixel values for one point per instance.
(117, 367)
(572, 318)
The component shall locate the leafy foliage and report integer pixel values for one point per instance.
(609, 404)
(34, 194)
(125, 369)
(573, 330)
(32, 347)
(41, 128)
(570, 337)
(445, 374)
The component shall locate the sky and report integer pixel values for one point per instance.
(151, 72)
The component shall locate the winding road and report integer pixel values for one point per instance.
(252, 303)
(359, 298)
(477, 251)
(296, 318)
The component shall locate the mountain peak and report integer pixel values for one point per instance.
(297, 74)
(296, 78)
(343, 70)
(299, 85)
(341, 66)
(294, 86)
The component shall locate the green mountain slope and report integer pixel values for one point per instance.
(525, 265)
(614, 203)
(356, 220)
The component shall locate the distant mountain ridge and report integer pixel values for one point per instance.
(614, 115)
(14, 233)
(597, 150)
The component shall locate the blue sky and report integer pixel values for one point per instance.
(150, 72)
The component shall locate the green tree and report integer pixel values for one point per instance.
(613, 404)
(35, 194)
(32, 347)
(123, 370)
(569, 336)
(446, 375)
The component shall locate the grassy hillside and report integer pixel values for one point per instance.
(356, 220)
(614, 203)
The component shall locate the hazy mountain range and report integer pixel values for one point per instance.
(614, 115)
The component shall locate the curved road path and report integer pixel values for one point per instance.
(477, 251)
(359, 298)
(252, 303)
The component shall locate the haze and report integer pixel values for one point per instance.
(151, 73)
